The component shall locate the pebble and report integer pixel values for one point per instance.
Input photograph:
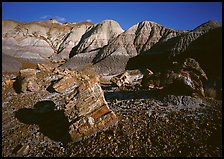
(131, 147)
(23, 150)
(149, 113)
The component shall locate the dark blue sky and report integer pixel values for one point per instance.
(175, 15)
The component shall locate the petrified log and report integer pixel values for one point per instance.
(88, 111)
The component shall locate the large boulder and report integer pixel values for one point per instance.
(186, 78)
(191, 64)
(179, 82)
(180, 78)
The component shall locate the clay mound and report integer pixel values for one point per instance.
(211, 24)
(79, 61)
(97, 37)
(137, 39)
(104, 45)
(10, 64)
(42, 39)
(179, 44)
(113, 64)
(176, 48)
(113, 57)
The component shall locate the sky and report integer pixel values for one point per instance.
(174, 15)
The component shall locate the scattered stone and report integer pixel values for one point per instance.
(23, 150)
(122, 80)
(45, 67)
(28, 80)
(8, 82)
(150, 80)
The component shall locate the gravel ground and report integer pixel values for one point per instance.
(149, 124)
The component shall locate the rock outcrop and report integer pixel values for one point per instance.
(186, 78)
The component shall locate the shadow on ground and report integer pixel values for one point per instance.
(17, 85)
(52, 123)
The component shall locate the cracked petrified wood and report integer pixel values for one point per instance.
(65, 83)
(189, 77)
(122, 80)
(88, 111)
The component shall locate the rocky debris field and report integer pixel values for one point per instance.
(149, 122)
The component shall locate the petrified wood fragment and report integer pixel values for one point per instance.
(88, 111)
(28, 80)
